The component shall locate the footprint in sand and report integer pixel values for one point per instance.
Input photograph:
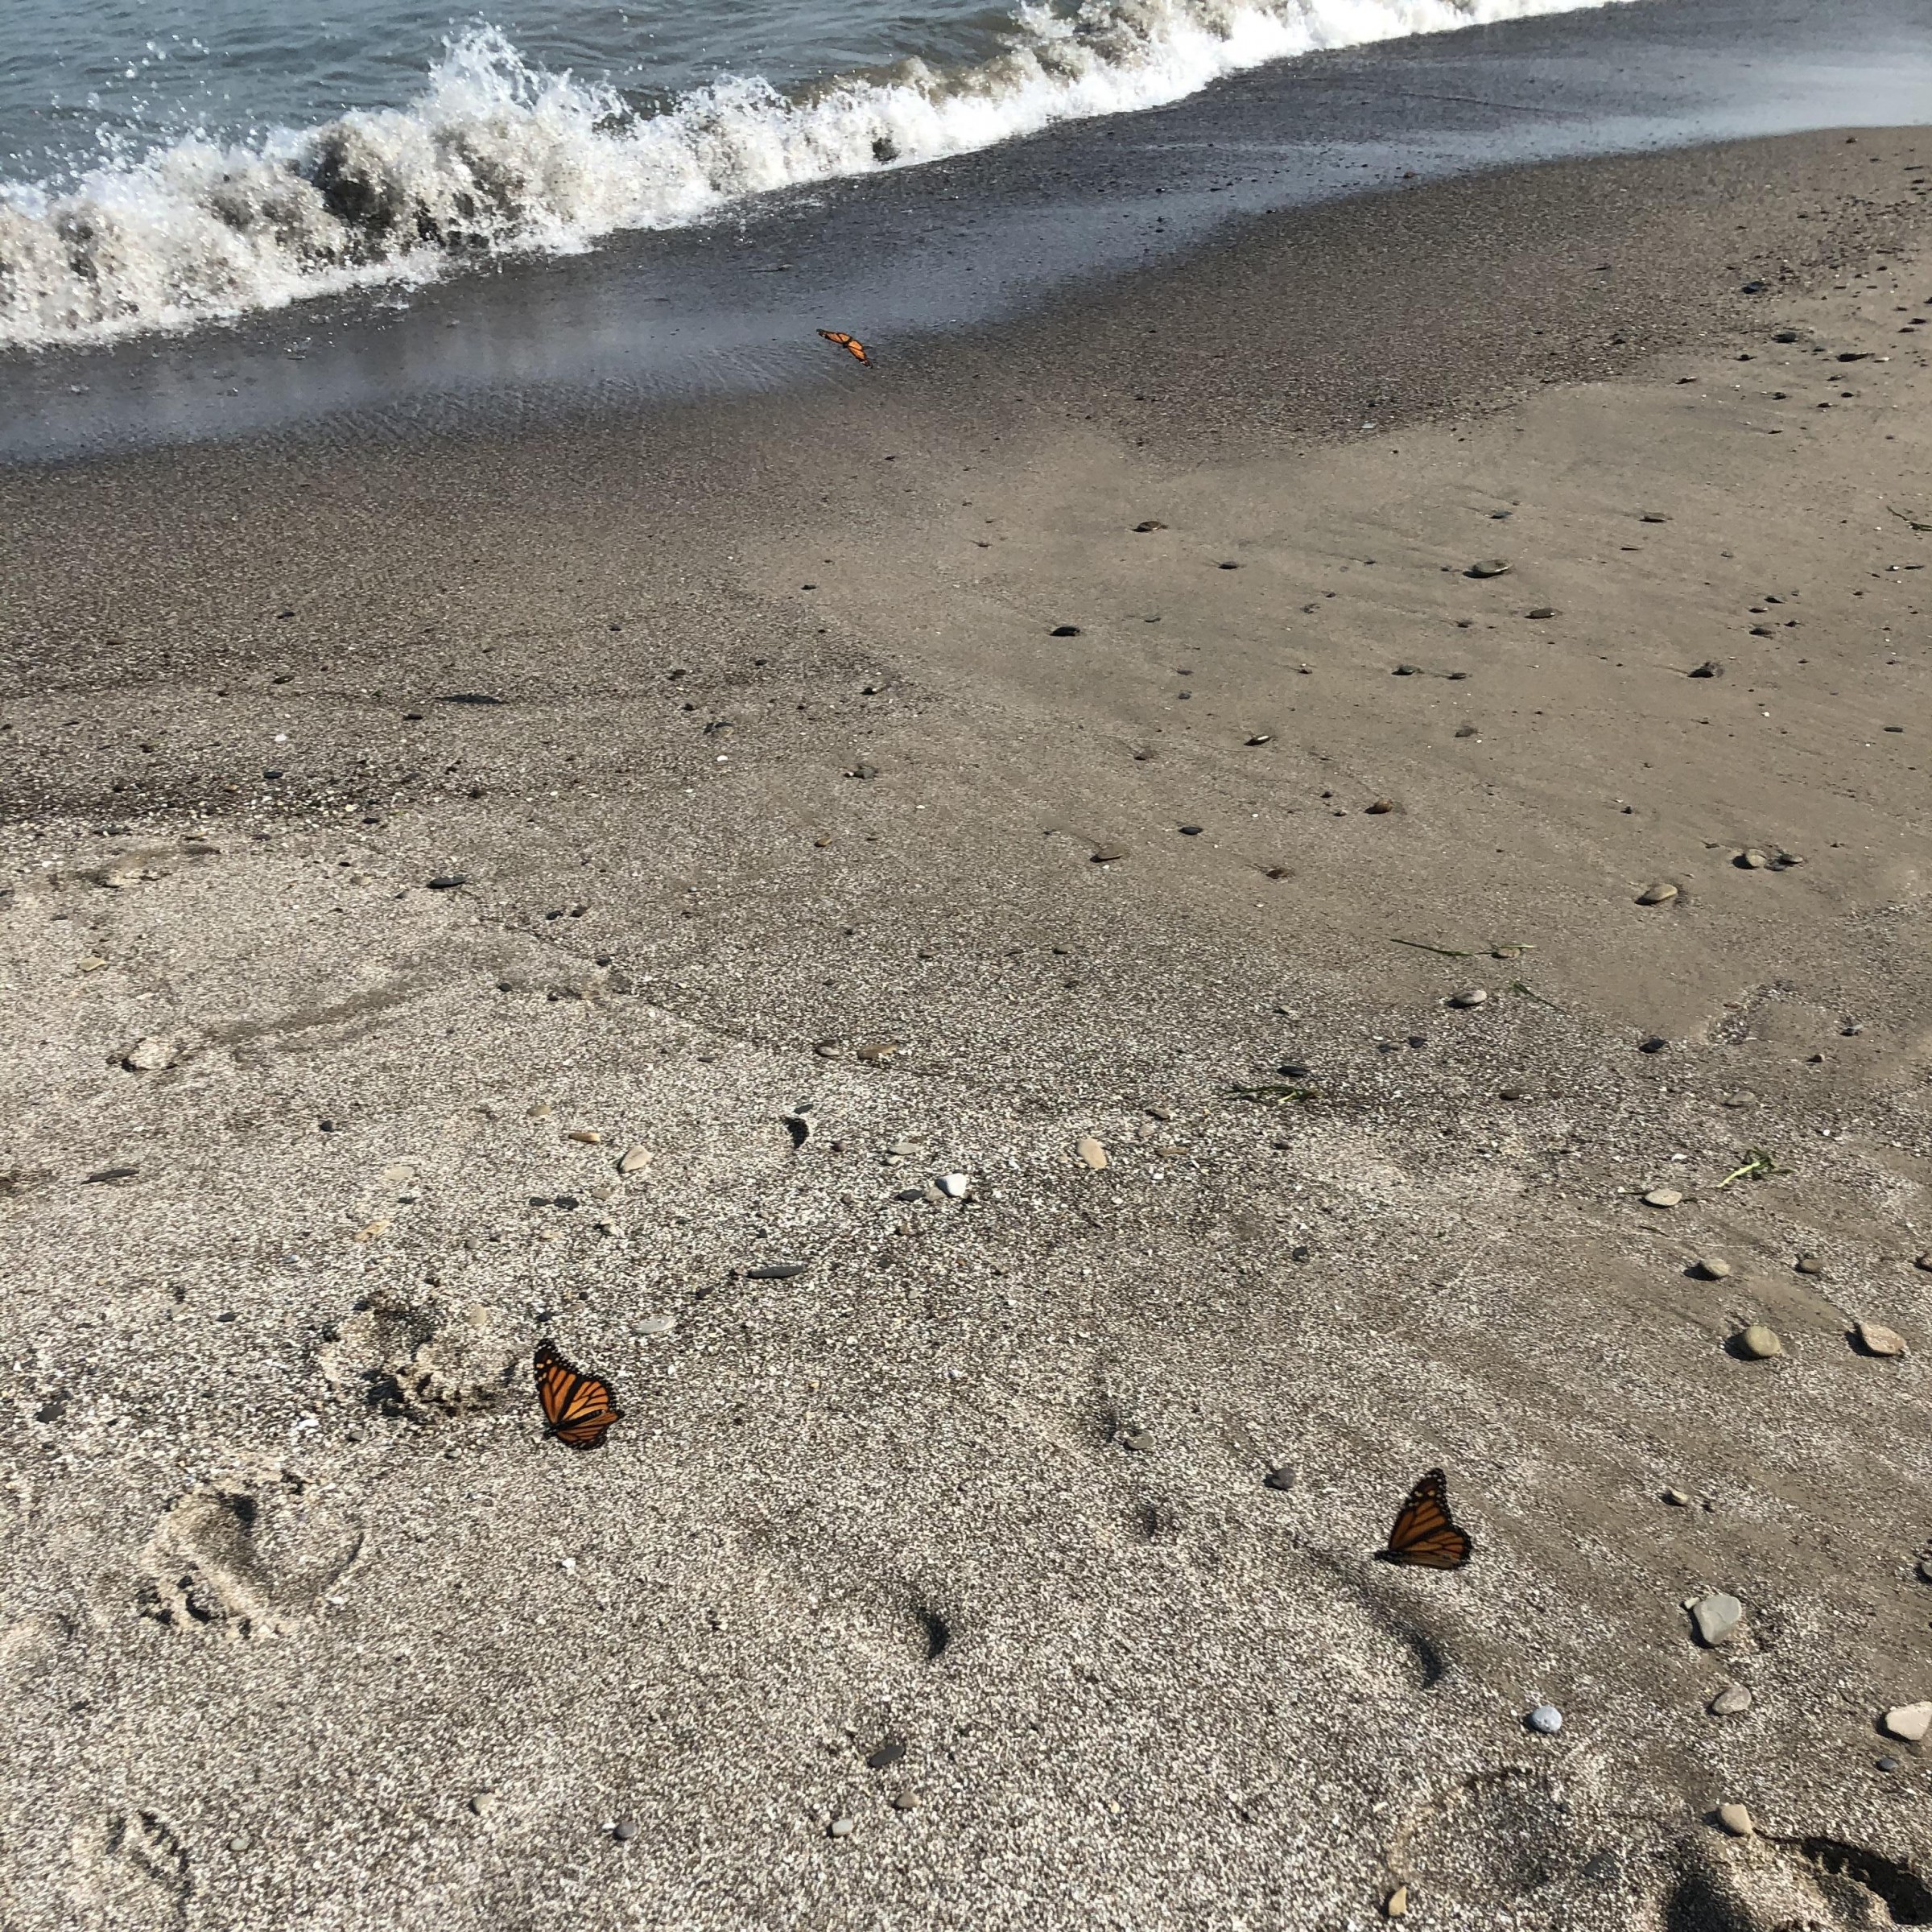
(133, 1875)
(425, 1360)
(245, 1562)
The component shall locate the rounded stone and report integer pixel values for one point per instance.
(1760, 1342)
(1090, 1154)
(1709, 1268)
(1282, 1476)
(1191, 831)
(906, 1798)
(657, 1324)
(1470, 996)
(1661, 893)
(1753, 860)
(1811, 1264)
(841, 1827)
(1730, 1701)
(1735, 1820)
(1715, 1615)
(1908, 1722)
(1875, 1338)
(1546, 1720)
(1925, 1569)
(1662, 1197)
(1924, 1260)
(624, 1829)
(956, 1186)
(1888, 1762)
(1488, 567)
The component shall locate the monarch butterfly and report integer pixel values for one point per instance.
(852, 345)
(579, 1408)
(1425, 1534)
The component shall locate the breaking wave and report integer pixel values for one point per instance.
(494, 157)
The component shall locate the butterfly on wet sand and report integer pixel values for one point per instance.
(578, 1408)
(1425, 1534)
(852, 345)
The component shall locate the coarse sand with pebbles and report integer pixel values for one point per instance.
(1063, 998)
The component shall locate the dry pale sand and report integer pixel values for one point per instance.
(940, 1584)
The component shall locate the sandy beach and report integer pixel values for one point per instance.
(1067, 958)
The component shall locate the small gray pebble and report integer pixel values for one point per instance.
(1284, 1476)
(624, 1830)
(1545, 1718)
(841, 1827)
(1888, 1762)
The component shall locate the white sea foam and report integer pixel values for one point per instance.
(494, 156)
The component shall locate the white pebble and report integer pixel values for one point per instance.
(1909, 1721)
(1547, 1718)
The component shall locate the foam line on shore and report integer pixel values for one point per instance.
(495, 156)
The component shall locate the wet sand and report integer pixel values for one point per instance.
(659, 777)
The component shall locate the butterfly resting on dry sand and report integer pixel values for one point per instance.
(1425, 1534)
(579, 1408)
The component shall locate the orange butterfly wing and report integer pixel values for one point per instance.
(851, 344)
(1425, 1534)
(579, 1408)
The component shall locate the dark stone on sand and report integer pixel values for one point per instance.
(469, 697)
(1541, 610)
(1408, 670)
(1108, 855)
(1285, 1477)
(1230, 567)
(775, 1271)
(1487, 567)
(1754, 288)
(1190, 831)
(1064, 630)
(110, 1177)
(1379, 807)
(1151, 523)
(1710, 668)
(1294, 1070)
(889, 1753)
(1655, 1044)
(1785, 335)
(865, 771)
(624, 1830)
(448, 882)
